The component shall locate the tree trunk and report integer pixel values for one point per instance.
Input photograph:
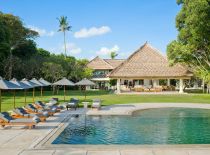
(64, 38)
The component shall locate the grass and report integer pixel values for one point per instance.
(108, 99)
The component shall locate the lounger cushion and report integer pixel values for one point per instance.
(25, 120)
(4, 116)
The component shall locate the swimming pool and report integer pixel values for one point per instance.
(152, 126)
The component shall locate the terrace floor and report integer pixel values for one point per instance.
(21, 141)
(151, 93)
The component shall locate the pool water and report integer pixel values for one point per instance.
(153, 126)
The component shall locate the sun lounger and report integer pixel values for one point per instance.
(55, 108)
(22, 113)
(42, 106)
(52, 102)
(31, 109)
(96, 103)
(73, 103)
(7, 120)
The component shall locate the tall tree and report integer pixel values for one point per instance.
(63, 27)
(113, 55)
(192, 46)
(13, 35)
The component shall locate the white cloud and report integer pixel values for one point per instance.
(72, 48)
(42, 32)
(93, 31)
(106, 51)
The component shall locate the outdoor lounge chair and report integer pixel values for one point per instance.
(31, 109)
(96, 103)
(41, 105)
(7, 120)
(73, 103)
(22, 113)
(52, 102)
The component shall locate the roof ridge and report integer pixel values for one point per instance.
(93, 59)
(107, 63)
(156, 50)
(97, 57)
(114, 59)
(126, 60)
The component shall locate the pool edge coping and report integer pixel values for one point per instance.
(45, 142)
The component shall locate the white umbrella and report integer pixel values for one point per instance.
(46, 83)
(29, 83)
(6, 85)
(22, 85)
(34, 80)
(85, 82)
(64, 82)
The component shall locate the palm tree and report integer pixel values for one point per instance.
(113, 55)
(63, 27)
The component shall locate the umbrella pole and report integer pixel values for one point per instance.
(33, 93)
(0, 100)
(25, 96)
(64, 89)
(85, 92)
(14, 99)
(41, 92)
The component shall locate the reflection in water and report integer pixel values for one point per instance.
(153, 126)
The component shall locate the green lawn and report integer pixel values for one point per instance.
(7, 98)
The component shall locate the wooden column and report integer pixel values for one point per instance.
(181, 85)
(118, 86)
(168, 82)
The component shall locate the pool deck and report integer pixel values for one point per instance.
(22, 141)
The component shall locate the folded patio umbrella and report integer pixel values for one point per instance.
(64, 82)
(22, 85)
(29, 83)
(46, 83)
(85, 82)
(6, 85)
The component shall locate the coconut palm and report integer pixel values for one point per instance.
(113, 55)
(63, 27)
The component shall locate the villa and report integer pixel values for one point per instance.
(102, 68)
(145, 70)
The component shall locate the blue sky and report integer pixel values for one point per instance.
(98, 26)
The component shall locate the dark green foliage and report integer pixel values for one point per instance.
(192, 46)
(113, 82)
(20, 57)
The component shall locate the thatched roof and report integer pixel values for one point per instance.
(147, 62)
(64, 82)
(85, 82)
(98, 63)
(114, 62)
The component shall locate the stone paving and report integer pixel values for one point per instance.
(22, 141)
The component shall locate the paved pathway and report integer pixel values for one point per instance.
(20, 141)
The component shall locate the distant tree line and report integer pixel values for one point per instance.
(20, 57)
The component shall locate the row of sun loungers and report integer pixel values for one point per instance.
(29, 115)
(32, 114)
